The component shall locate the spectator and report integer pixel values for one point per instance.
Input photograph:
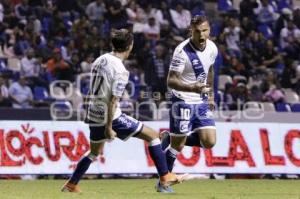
(282, 21)
(265, 13)
(68, 50)
(1, 12)
(95, 11)
(23, 10)
(289, 75)
(232, 37)
(156, 70)
(274, 95)
(58, 68)
(296, 17)
(228, 103)
(116, 15)
(4, 94)
(31, 69)
(86, 65)
(21, 94)
(270, 57)
(247, 8)
(180, 18)
(256, 94)
(152, 30)
(75, 63)
(240, 95)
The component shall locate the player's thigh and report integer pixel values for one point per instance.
(180, 117)
(126, 127)
(96, 132)
(208, 136)
(147, 134)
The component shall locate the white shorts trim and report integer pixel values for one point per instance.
(99, 141)
(205, 127)
(138, 129)
(178, 135)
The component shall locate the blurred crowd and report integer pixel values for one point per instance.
(46, 40)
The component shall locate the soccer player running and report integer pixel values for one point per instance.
(106, 121)
(191, 80)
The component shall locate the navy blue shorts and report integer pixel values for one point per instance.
(184, 118)
(125, 127)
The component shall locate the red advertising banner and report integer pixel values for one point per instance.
(54, 147)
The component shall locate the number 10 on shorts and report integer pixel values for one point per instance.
(185, 113)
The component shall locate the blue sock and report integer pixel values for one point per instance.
(158, 157)
(193, 140)
(171, 155)
(165, 141)
(81, 168)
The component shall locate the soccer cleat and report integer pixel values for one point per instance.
(165, 139)
(171, 179)
(70, 187)
(163, 189)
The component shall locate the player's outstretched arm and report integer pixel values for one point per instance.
(109, 132)
(174, 82)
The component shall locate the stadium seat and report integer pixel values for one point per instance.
(163, 114)
(61, 109)
(240, 78)
(127, 106)
(40, 93)
(164, 104)
(285, 90)
(268, 106)
(291, 97)
(223, 80)
(14, 64)
(266, 31)
(295, 107)
(76, 99)
(58, 93)
(252, 105)
(284, 4)
(283, 107)
(225, 5)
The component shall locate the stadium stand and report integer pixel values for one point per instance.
(66, 38)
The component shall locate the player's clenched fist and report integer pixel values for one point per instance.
(200, 88)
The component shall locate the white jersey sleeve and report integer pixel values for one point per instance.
(178, 60)
(119, 83)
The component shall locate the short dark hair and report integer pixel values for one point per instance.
(121, 39)
(198, 19)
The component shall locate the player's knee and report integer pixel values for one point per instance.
(208, 143)
(177, 147)
(93, 153)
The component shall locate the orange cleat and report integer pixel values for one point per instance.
(70, 187)
(171, 179)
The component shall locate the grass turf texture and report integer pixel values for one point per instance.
(144, 189)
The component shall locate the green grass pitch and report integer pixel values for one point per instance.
(144, 189)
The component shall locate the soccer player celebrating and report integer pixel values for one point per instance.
(191, 80)
(106, 121)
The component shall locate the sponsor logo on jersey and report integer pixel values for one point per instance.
(195, 61)
(201, 78)
(184, 126)
(103, 62)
